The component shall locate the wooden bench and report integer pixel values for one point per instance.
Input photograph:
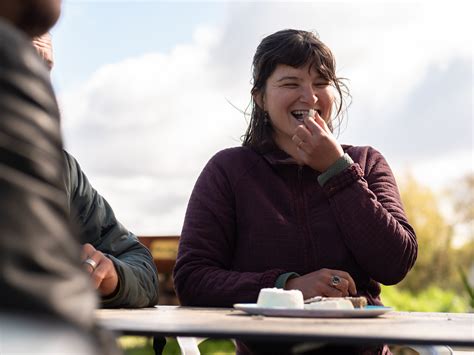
(164, 250)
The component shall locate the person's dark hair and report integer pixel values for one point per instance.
(295, 48)
(34, 17)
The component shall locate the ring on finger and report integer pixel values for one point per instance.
(91, 263)
(335, 280)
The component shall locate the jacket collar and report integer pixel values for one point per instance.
(274, 155)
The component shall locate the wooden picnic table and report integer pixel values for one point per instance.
(455, 329)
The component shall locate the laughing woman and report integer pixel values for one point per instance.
(293, 208)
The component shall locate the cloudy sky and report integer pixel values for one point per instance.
(149, 91)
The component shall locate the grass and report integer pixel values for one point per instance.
(432, 299)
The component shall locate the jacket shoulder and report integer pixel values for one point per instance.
(234, 155)
(72, 174)
(235, 160)
(231, 164)
(369, 159)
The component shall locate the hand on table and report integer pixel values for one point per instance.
(103, 273)
(316, 145)
(321, 283)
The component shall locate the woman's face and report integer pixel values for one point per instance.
(289, 94)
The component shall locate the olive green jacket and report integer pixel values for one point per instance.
(138, 280)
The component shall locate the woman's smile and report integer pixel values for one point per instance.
(301, 114)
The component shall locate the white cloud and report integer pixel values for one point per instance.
(143, 128)
(156, 107)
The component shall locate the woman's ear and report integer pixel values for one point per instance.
(259, 100)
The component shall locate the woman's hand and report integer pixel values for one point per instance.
(316, 145)
(320, 283)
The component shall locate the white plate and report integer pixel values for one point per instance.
(367, 312)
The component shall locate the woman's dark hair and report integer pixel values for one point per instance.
(295, 48)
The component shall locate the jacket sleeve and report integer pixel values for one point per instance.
(39, 253)
(203, 275)
(138, 280)
(369, 211)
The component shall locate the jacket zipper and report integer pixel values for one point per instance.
(302, 215)
(305, 228)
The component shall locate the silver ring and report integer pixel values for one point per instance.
(91, 263)
(335, 280)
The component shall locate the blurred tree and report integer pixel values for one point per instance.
(462, 195)
(435, 264)
(435, 283)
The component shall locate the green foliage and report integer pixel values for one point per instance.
(134, 345)
(438, 261)
(468, 287)
(217, 347)
(434, 265)
(171, 347)
(432, 299)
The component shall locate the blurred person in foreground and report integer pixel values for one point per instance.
(293, 208)
(121, 268)
(46, 296)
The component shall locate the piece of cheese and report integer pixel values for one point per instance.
(277, 297)
(334, 304)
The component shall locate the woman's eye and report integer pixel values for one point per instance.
(321, 84)
(290, 85)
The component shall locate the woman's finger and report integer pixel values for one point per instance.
(330, 291)
(342, 286)
(312, 125)
(321, 122)
(341, 280)
(303, 133)
(302, 139)
(297, 140)
(351, 286)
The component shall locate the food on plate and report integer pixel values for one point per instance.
(339, 303)
(277, 297)
(293, 299)
(357, 302)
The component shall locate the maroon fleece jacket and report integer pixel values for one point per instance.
(254, 215)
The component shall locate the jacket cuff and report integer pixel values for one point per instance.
(283, 278)
(342, 163)
(269, 278)
(343, 179)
